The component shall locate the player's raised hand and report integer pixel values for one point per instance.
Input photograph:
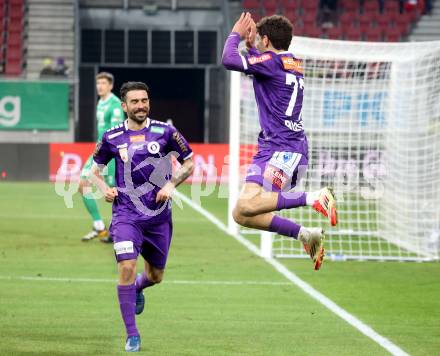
(165, 193)
(252, 33)
(243, 24)
(111, 194)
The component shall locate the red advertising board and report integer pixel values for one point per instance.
(67, 159)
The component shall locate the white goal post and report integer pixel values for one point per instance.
(371, 112)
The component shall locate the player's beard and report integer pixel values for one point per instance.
(139, 120)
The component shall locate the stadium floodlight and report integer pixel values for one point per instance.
(371, 112)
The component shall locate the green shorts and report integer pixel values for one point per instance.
(108, 176)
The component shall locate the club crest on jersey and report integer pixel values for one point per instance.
(123, 153)
(290, 63)
(137, 138)
(287, 156)
(260, 59)
(153, 147)
(285, 161)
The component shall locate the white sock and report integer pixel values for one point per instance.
(311, 197)
(303, 234)
(99, 225)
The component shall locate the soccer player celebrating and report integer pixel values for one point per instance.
(282, 144)
(141, 221)
(108, 114)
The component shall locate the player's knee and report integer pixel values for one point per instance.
(155, 276)
(238, 217)
(127, 272)
(244, 208)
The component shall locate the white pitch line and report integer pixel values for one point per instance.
(307, 288)
(107, 280)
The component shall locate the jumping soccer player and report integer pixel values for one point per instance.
(108, 114)
(282, 144)
(141, 222)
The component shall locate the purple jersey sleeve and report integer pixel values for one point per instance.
(178, 145)
(254, 62)
(103, 153)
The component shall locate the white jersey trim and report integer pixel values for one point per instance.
(116, 134)
(189, 156)
(245, 66)
(146, 126)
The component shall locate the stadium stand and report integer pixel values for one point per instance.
(12, 30)
(157, 4)
(51, 33)
(428, 28)
(352, 20)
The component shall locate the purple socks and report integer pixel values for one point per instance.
(287, 200)
(142, 282)
(127, 304)
(284, 227)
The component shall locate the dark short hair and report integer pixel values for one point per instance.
(278, 30)
(106, 75)
(129, 86)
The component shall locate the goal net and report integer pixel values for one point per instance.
(371, 113)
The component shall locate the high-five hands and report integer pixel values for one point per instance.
(243, 25)
(252, 33)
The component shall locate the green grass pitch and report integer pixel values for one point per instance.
(68, 305)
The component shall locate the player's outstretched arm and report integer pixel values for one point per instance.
(180, 176)
(96, 179)
(231, 58)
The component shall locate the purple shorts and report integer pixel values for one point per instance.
(151, 240)
(277, 171)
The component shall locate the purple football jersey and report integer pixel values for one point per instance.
(278, 85)
(143, 166)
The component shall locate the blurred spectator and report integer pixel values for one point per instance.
(428, 7)
(411, 5)
(327, 13)
(332, 5)
(48, 69)
(61, 69)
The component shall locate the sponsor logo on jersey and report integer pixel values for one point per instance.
(153, 147)
(260, 59)
(157, 129)
(295, 126)
(123, 247)
(179, 139)
(275, 176)
(138, 146)
(290, 63)
(137, 138)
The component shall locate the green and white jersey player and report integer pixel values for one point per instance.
(108, 114)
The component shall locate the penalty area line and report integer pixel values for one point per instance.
(304, 286)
